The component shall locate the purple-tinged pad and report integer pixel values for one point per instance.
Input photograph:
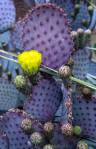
(44, 100)
(92, 68)
(17, 34)
(81, 63)
(67, 5)
(84, 114)
(82, 15)
(7, 15)
(46, 29)
(10, 97)
(12, 127)
(4, 143)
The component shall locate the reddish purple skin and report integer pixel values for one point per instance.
(12, 127)
(44, 101)
(46, 29)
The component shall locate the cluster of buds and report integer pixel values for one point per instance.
(81, 38)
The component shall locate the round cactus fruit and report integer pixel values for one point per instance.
(77, 130)
(20, 82)
(48, 146)
(36, 138)
(12, 121)
(87, 92)
(11, 126)
(48, 127)
(46, 29)
(26, 125)
(64, 71)
(44, 100)
(82, 145)
(7, 15)
(61, 141)
(67, 129)
(4, 143)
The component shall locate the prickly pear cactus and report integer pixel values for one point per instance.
(45, 29)
(83, 15)
(45, 100)
(7, 15)
(79, 12)
(65, 4)
(82, 54)
(10, 97)
(12, 121)
(81, 63)
(92, 68)
(84, 113)
(62, 141)
(84, 98)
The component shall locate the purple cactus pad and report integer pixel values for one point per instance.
(81, 63)
(7, 14)
(46, 29)
(12, 120)
(61, 141)
(84, 113)
(44, 101)
(10, 97)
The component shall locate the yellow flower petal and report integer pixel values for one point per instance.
(30, 61)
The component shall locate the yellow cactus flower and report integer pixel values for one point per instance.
(30, 61)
